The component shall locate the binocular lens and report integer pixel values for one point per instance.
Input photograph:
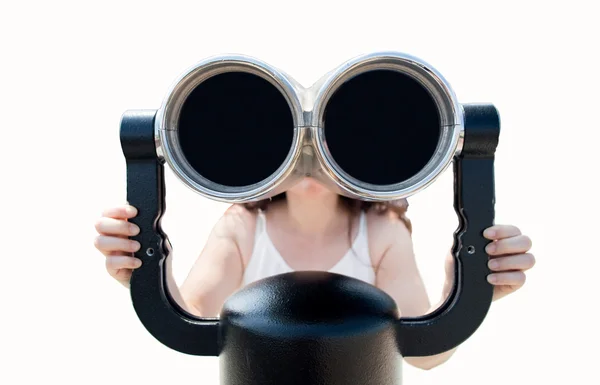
(381, 127)
(235, 129)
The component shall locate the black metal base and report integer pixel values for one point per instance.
(315, 328)
(309, 328)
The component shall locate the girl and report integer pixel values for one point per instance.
(311, 228)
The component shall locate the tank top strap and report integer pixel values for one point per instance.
(361, 243)
(363, 223)
(261, 224)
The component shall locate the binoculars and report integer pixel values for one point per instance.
(380, 127)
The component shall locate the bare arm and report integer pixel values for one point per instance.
(218, 271)
(399, 276)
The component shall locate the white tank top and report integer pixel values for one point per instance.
(266, 261)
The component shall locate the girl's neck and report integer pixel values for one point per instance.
(315, 218)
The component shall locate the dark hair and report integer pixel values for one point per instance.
(398, 207)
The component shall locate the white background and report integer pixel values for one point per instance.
(70, 69)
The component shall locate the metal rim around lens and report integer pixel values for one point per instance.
(451, 124)
(166, 127)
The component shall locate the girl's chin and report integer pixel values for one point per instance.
(309, 186)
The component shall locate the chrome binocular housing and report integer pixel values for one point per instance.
(381, 126)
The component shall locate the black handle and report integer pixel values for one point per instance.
(474, 199)
(155, 307)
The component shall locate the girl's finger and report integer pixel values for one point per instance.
(118, 227)
(512, 278)
(106, 243)
(513, 262)
(120, 212)
(501, 232)
(122, 262)
(515, 245)
(117, 254)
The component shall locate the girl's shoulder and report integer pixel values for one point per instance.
(389, 218)
(239, 224)
(386, 228)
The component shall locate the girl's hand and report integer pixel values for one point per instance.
(112, 241)
(509, 259)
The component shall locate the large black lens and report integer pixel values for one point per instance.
(381, 127)
(236, 129)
